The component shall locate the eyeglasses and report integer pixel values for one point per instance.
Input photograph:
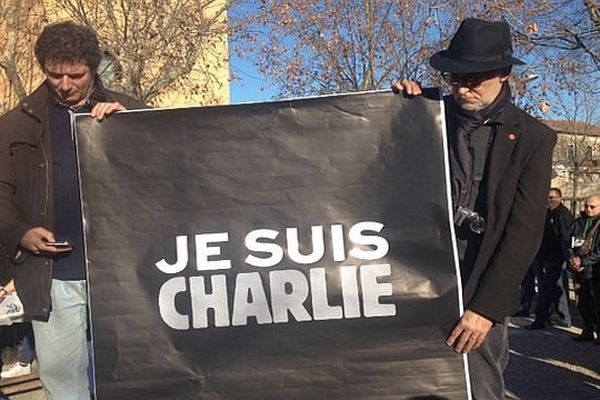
(469, 81)
(590, 206)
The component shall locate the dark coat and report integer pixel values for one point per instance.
(26, 199)
(555, 242)
(591, 261)
(516, 192)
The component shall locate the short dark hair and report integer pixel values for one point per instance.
(68, 42)
(557, 190)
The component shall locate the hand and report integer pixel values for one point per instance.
(469, 333)
(105, 110)
(411, 88)
(34, 241)
(575, 264)
(7, 290)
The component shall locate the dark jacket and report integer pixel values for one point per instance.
(557, 231)
(515, 189)
(26, 199)
(590, 262)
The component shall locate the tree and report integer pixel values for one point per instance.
(328, 46)
(19, 18)
(564, 43)
(570, 26)
(151, 46)
(157, 43)
(577, 153)
(332, 46)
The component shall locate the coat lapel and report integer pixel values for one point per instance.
(507, 137)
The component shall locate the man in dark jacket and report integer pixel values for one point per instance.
(500, 164)
(584, 261)
(553, 253)
(39, 202)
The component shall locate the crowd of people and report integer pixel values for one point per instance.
(500, 159)
(569, 246)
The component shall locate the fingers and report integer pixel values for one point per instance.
(466, 342)
(410, 88)
(469, 333)
(104, 110)
(35, 237)
(35, 241)
(575, 264)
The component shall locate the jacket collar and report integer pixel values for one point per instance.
(36, 103)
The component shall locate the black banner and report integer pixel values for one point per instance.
(290, 250)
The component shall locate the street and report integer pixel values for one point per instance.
(547, 364)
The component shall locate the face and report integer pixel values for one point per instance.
(554, 199)
(72, 82)
(474, 92)
(591, 207)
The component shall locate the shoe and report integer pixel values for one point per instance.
(536, 326)
(563, 324)
(521, 313)
(584, 337)
(18, 369)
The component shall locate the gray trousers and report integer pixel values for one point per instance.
(487, 365)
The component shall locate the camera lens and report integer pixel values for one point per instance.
(477, 224)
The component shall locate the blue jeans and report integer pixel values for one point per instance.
(61, 343)
(28, 348)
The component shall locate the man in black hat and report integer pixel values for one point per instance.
(500, 163)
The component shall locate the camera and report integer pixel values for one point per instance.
(465, 217)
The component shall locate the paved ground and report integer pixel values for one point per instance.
(544, 365)
(548, 365)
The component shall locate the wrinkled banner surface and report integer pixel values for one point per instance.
(289, 250)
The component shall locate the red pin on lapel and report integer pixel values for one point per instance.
(512, 136)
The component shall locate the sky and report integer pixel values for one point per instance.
(248, 85)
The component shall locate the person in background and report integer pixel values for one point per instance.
(24, 332)
(584, 261)
(551, 257)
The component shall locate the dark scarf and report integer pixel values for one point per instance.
(466, 123)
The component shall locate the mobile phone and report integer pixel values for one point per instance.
(59, 243)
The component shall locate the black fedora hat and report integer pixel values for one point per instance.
(477, 46)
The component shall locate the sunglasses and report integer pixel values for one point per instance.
(469, 81)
